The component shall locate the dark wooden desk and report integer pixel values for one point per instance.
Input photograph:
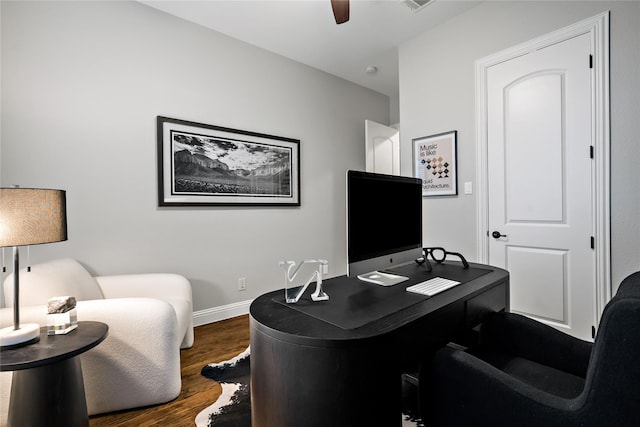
(47, 388)
(309, 371)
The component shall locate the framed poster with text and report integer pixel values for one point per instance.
(435, 162)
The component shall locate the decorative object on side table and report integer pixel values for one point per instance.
(28, 216)
(62, 317)
(435, 161)
(293, 290)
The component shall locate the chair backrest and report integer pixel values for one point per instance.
(61, 277)
(613, 379)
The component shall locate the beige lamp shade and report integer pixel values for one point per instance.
(32, 216)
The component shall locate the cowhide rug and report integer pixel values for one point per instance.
(233, 407)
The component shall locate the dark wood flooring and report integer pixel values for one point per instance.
(213, 342)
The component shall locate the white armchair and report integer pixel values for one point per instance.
(150, 318)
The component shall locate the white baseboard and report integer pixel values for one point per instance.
(223, 312)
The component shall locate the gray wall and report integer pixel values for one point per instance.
(82, 84)
(437, 94)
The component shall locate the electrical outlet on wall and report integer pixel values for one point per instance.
(242, 284)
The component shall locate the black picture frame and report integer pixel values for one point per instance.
(435, 161)
(207, 165)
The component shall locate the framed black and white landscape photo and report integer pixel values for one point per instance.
(206, 165)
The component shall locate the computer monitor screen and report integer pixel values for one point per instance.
(384, 225)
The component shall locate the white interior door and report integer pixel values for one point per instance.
(540, 183)
(382, 148)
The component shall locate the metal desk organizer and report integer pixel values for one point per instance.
(293, 289)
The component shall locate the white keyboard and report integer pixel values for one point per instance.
(432, 286)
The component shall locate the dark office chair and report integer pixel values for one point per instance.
(524, 373)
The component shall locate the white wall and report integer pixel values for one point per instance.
(437, 94)
(82, 84)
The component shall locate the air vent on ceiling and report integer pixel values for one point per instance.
(417, 5)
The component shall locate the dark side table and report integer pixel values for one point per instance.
(47, 387)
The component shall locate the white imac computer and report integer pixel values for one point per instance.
(384, 225)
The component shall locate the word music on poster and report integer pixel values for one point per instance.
(435, 162)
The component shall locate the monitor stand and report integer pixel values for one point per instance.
(382, 278)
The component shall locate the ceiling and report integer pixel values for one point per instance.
(305, 31)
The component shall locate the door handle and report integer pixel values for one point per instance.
(497, 235)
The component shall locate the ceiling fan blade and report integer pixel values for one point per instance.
(340, 10)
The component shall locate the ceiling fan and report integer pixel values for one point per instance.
(340, 10)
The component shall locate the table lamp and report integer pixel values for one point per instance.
(28, 216)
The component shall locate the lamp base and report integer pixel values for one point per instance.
(27, 334)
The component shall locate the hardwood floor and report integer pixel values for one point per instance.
(214, 342)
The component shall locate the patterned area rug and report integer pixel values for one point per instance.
(233, 407)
